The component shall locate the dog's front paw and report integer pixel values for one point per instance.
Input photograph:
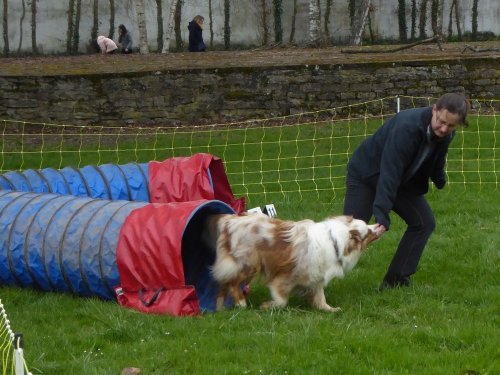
(329, 308)
(271, 305)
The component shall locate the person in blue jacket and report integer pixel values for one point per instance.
(195, 28)
(391, 170)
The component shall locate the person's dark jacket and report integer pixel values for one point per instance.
(126, 41)
(196, 43)
(384, 160)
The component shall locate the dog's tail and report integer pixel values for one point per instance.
(225, 269)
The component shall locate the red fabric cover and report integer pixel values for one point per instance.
(149, 258)
(183, 179)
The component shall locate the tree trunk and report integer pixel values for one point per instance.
(111, 19)
(475, 5)
(413, 33)
(361, 17)
(278, 27)
(227, 24)
(422, 20)
(403, 29)
(5, 24)
(457, 19)
(34, 47)
(328, 11)
(294, 18)
(177, 25)
(69, 32)
(314, 23)
(211, 23)
(169, 27)
(437, 17)
(141, 22)
(21, 20)
(95, 24)
(263, 19)
(76, 27)
(159, 24)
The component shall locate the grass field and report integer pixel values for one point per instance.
(446, 323)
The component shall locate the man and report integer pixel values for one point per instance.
(391, 170)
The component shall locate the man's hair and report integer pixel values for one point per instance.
(455, 103)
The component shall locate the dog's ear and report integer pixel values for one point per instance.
(355, 235)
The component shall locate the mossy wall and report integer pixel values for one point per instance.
(219, 95)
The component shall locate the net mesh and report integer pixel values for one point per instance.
(296, 157)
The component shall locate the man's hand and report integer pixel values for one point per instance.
(380, 229)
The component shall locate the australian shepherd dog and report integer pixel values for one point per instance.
(303, 255)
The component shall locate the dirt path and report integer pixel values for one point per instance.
(102, 64)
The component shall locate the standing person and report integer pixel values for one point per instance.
(124, 39)
(195, 28)
(106, 45)
(391, 170)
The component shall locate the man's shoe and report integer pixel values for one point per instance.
(394, 282)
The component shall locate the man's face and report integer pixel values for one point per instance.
(443, 122)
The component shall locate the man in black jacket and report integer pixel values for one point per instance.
(391, 170)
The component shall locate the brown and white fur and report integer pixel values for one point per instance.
(303, 255)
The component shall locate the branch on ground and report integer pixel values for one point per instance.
(475, 49)
(435, 38)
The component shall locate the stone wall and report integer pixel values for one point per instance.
(220, 95)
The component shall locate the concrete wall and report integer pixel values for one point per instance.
(217, 95)
(52, 21)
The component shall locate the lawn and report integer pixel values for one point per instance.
(446, 323)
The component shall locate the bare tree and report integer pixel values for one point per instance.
(159, 25)
(294, 18)
(211, 23)
(141, 23)
(403, 29)
(314, 22)
(262, 12)
(278, 27)
(328, 11)
(73, 34)
(95, 23)
(5, 24)
(21, 20)
(111, 19)
(455, 12)
(69, 32)
(169, 27)
(437, 17)
(361, 16)
(177, 25)
(413, 32)
(227, 24)
(475, 5)
(422, 19)
(34, 46)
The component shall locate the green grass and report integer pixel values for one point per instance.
(446, 323)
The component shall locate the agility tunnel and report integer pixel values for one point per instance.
(148, 257)
(178, 179)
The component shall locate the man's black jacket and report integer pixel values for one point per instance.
(384, 161)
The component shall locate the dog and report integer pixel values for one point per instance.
(303, 255)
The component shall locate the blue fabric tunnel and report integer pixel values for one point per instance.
(61, 242)
(108, 181)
